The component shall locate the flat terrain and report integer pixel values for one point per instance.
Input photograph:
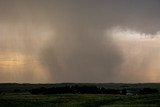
(18, 95)
(79, 100)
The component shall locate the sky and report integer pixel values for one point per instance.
(80, 41)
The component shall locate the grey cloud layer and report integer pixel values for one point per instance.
(78, 50)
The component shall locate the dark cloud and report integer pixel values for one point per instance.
(80, 52)
(77, 48)
(82, 57)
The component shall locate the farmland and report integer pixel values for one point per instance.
(79, 100)
(17, 95)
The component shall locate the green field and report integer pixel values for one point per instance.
(18, 95)
(79, 100)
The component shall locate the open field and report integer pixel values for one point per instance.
(79, 100)
(18, 95)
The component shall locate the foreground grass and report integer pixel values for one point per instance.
(79, 100)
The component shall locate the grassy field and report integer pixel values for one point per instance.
(79, 100)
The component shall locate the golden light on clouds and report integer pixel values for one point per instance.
(12, 60)
(20, 48)
(18, 67)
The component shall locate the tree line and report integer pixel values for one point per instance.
(86, 90)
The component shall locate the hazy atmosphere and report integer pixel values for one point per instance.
(102, 41)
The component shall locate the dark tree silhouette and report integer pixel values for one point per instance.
(74, 90)
(148, 91)
(123, 91)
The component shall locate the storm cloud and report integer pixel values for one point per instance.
(81, 40)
